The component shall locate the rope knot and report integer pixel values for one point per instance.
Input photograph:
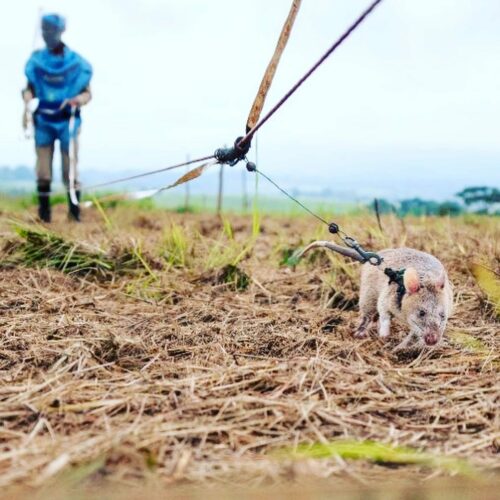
(231, 156)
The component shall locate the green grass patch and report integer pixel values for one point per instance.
(290, 257)
(468, 342)
(235, 277)
(232, 254)
(43, 248)
(175, 246)
(379, 453)
(489, 283)
(39, 247)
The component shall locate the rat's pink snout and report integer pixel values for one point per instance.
(431, 338)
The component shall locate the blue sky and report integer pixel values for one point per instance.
(410, 103)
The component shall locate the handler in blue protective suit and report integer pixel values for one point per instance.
(60, 79)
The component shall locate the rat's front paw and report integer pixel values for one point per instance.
(360, 333)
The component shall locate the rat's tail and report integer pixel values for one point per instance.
(347, 252)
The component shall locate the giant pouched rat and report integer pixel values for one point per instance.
(423, 299)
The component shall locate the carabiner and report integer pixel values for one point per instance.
(373, 258)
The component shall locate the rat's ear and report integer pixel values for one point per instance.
(439, 284)
(411, 280)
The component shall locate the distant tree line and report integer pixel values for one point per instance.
(20, 173)
(474, 199)
(477, 199)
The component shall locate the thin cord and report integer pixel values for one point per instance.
(341, 233)
(123, 179)
(291, 197)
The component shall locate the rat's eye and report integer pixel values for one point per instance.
(442, 316)
(421, 313)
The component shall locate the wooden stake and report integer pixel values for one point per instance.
(221, 185)
(244, 189)
(186, 197)
(377, 213)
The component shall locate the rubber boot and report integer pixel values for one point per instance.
(44, 202)
(74, 210)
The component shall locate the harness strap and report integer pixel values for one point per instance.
(398, 278)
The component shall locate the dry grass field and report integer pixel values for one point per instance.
(146, 348)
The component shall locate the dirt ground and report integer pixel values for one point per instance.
(171, 374)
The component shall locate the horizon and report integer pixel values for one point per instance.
(20, 180)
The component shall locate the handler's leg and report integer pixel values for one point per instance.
(44, 156)
(73, 210)
(44, 147)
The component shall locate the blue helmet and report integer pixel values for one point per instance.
(54, 21)
(53, 26)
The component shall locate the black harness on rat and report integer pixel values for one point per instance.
(397, 277)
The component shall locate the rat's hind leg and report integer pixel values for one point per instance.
(367, 313)
(367, 308)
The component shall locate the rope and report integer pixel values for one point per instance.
(234, 154)
(361, 18)
(291, 197)
(151, 172)
(131, 177)
(372, 257)
(140, 195)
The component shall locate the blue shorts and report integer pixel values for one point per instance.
(47, 132)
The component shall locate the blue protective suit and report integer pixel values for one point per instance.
(55, 78)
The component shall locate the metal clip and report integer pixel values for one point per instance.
(373, 258)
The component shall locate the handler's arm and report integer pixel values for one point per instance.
(83, 98)
(28, 93)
